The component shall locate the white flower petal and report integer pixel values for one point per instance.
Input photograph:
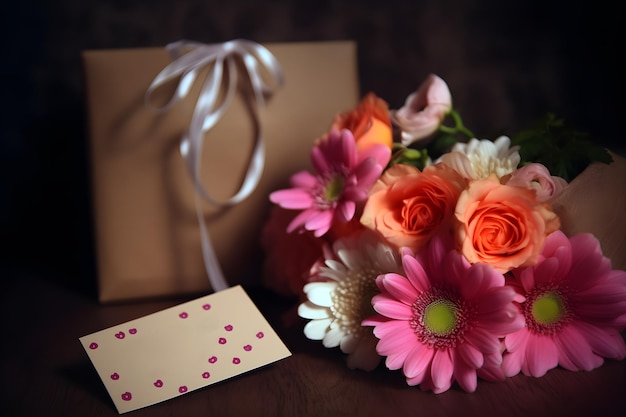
(319, 292)
(333, 337)
(485, 157)
(316, 329)
(308, 310)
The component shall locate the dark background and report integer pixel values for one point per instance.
(507, 63)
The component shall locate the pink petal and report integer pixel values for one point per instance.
(512, 363)
(417, 360)
(526, 278)
(541, 355)
(377, 320)
(604, 293)
(387, 327)
(380, 153)
(546, 271)
(507, 319)
(475, 276)
(598, 311)
(483, 340)
(338, 149)
(442, 369)
(292, 198)
(588, 265)
(415, 273)
(392, 308)
(465, 375)
(420, 377)
(367, 172)
(318, 160)
(517, 341)
(355, 193)
(400, 288)
(299, 221)
(319, 222)
(493, 301)
(348, 148)
(563, 255)
(394, 343)
(492, 369)
(554, 242)
(345, 211)
(394, 360)
(436, 252)
(573, 346)
(303, 179)
(607, 343)
(470, 355)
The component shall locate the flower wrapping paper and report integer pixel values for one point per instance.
(595, 202)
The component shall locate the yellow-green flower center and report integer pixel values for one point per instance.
(548, 308)
(440, 317)
(334, 188)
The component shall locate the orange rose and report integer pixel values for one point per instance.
(502, 225)
(369, 122)
(407, 207)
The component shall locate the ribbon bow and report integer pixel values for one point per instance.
(189, 59)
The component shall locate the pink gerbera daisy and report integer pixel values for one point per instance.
(444, 320)
(574, 305)
(343, 178)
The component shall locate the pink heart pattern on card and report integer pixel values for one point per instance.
(234, 336)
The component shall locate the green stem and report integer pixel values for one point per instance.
(448, 129)
(459, 124)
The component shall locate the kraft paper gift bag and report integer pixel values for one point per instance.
(148, 241)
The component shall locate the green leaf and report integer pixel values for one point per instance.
(565, 151)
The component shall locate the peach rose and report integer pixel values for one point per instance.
(502, 225)
(407, 207)
(369, 122)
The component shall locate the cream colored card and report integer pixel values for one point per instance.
(183, 348)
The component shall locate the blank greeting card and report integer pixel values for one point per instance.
(182, 348)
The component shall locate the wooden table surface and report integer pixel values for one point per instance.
(46, 372)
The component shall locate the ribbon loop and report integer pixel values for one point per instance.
(220, 59)
(189, 58)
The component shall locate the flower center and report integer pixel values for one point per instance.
(334, 188)
(546, 310)
(440, 317)
(351, 299)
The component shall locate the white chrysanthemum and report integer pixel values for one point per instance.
(337, 307)
(478, 159)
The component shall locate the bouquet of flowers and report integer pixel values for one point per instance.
(414, 242)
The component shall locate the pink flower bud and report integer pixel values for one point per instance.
(423, 110)
(537, 177)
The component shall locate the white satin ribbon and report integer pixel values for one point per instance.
(189, 59)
